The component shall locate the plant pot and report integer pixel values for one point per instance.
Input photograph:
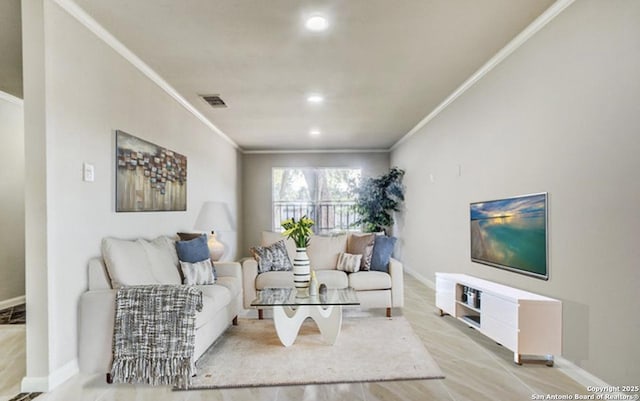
(301, 270)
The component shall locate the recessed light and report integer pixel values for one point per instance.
(315, 98)
(317, 23)
(314, 132)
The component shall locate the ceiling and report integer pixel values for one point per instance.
(382, 65)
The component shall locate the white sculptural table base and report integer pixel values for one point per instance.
(290, 311)
(288, 321)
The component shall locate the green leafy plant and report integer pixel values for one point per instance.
(377, 198)
(299, 231)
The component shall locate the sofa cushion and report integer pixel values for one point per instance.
(272, 258)
(269, 238)
(274, 280)
(382, 250)
(371, 280)
(323, 251)
(198, 273)
(361, 244)
(332, 278)
(140, 262)
(231, 283)
(214, 298)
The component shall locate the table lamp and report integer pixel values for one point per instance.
(214, 215)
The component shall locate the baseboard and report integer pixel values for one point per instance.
(420, 278)
(8, 303)
(578, 374)
(34, 384)
(48, 383)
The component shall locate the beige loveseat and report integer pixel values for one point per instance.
(141, 262)
(375, 289)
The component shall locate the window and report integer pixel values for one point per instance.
(323, 194)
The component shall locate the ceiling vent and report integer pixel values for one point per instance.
(214, 101)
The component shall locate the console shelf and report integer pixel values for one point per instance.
(521, 321)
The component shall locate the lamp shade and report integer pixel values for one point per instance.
(214, 216)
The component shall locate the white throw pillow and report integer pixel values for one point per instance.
(140, 262)
(127, 262)
(163, 259)
(349, 263)
(198, 273)
(323, 251)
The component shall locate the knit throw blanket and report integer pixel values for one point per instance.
(154, 334)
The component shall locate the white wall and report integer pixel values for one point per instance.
(561, 114)
(11, 198)
(256, 183)
(87, 91)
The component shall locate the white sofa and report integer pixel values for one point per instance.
(142, 262)
(375, 289)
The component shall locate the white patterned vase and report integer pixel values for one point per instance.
(301, 270)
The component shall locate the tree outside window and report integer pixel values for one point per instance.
(324, 194)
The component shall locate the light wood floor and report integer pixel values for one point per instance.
(476, 368)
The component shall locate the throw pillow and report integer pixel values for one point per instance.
(199, 273)
(272, 258)
(382, 250)
(195, 250)
(363, 245)
(188, 236)
(349, 263)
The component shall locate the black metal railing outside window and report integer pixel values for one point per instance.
(329, 216)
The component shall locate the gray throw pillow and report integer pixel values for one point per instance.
(272, 258)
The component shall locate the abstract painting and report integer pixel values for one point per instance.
(149, 178)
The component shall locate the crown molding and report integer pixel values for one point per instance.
(92, 25)
(547, 16)
(11, 99)
(292, 151)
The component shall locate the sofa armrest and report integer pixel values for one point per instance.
(397, 283)
(229, 269)
(98, 276)
(96, 320)
(249, 274)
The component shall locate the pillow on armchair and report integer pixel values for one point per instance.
(272, 258)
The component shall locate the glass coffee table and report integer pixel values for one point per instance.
(290, 309)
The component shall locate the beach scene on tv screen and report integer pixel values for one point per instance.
(511, 233)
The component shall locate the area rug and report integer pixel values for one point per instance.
(367, 349)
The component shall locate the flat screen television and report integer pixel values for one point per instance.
(511, 234)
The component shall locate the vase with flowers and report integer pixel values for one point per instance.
(300, 232)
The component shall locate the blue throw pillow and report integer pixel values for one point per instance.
(193, 251)
(382, 250)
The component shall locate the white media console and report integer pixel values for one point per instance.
(523, 322)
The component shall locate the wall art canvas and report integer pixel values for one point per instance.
(511, 234)
(149, 178)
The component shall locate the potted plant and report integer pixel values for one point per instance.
(378, 198)
(300, 232)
